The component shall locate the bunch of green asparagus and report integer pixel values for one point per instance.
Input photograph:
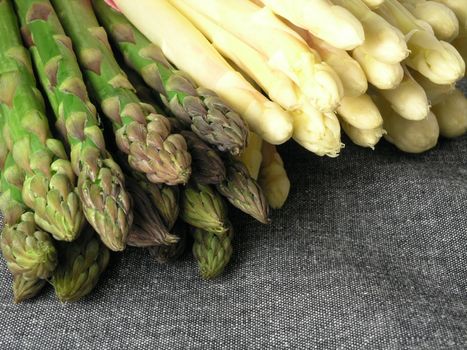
(155, 173)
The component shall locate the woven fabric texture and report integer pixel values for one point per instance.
(370, 252)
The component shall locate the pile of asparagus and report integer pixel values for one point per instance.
(156, 175)
(149, 118)
(305, 69)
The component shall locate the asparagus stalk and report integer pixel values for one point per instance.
(208, 167)
(210, 118)
(333, 24)
(24, 289)
(202, 207)
(243, 192)
(383, 41)
(363, 137)
(190, 51)
(373, 4)
(348, 69)
(140, 133)
(412, 136)
(361, 112)
(28, 251)
(459, 8)
(101, 186)
(14, 224)
(409, 100)
(165, 199)
(81, 264)
(273, 177)
(382, 75)
(440, 17)
(451, 114)
(148, 229)
(49, 184)
(252, 156)
(434, 92)
(212, 252)
(168, 253)
(438, 60)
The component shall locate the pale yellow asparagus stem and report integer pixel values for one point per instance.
(460, 9)
(363, 137)
(451, 113)
(438, 60)
(252, 156)
(408, 135)
(434, 92)
(373, 4)
(380, 74)
(322, 18)
(348, 69)
(441, 18)
(275, 83)
(273, 177)
(287, 52)
(409, 99)
(360, 112)
(383, 41)
(190, 51)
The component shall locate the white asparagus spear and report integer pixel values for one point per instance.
(441, 18)
(409, 99)
(383, 41)
(322, 18)
(287, 52)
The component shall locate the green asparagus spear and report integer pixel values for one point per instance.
(81, 264)
(24, 289)
(212, 252)
(201, 109)
(148, 229)
(163, 197)
(202, 207)
(27, 251)
(49, 185)
(167, 253)
(140, 133)
(100, 180)
(242, 191)
(208, 167)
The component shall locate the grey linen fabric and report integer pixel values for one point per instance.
(370, 252)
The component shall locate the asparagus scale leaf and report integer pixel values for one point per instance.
(100, 180)
(199, 108)
(140, 132)
(49, 184)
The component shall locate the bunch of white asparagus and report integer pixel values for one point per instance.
(303, 69)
